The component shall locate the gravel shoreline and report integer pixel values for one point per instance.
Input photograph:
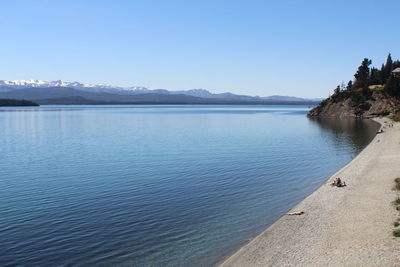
(346, 226)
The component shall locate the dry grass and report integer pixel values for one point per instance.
(377, 87)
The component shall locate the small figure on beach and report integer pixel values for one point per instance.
(338, 182)
(335, 181)
(295, 213)
(380, 131)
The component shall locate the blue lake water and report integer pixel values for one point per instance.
(157, 185)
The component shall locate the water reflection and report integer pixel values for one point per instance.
(356, 132)
(158, 185)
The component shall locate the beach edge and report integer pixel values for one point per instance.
(251, 252)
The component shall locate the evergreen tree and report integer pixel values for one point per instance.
(396, 64)
(375, 77)
(387, 69)
(383, 78)
(337, 90)
(363, 74)
(349, 85)
(393, 86)
(389, 63)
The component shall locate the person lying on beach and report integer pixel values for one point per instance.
(338, 182)
(295, 213)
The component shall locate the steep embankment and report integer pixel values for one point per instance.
(354, 104)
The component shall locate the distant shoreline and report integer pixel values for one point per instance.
(350, 226)
(58, 93)
(163, 104)
(6, 102)
(184, 104)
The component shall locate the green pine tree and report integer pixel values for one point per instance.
(393, 86)
(387, 69)
(349, 85)
(363, 74)
(375, 77)
(337, 90)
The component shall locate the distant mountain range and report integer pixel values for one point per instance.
(60, 92)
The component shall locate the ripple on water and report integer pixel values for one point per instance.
(157, 185)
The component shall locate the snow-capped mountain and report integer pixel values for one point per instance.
(33, 83)
(33, 89)
(7, 85)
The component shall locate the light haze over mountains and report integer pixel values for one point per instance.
(61, 92)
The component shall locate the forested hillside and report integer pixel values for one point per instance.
(373, 92)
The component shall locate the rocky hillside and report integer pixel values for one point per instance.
(345, 104)
(373, 92)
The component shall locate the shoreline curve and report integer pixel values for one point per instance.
(348, 226)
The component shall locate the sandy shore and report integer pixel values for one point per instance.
(349, 226)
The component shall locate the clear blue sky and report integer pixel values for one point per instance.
(300, 48)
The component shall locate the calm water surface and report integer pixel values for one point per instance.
(157, 185)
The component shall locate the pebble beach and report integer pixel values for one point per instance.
(341, 226)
